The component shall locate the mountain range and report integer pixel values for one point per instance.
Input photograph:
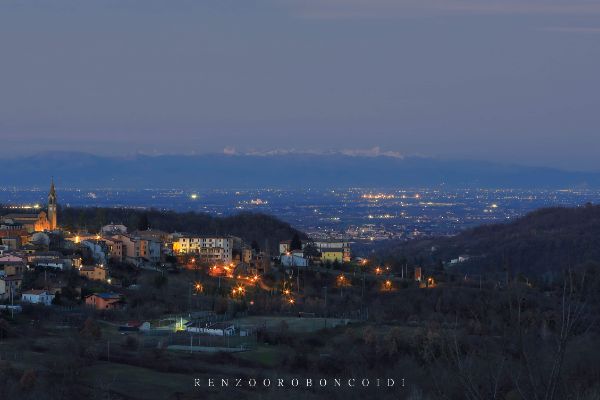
(293, 170)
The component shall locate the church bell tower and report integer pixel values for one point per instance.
(52, 207)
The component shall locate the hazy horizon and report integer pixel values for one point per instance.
(367, 153)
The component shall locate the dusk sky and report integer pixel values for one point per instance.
(513, 81)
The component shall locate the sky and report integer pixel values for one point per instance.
(500, 80)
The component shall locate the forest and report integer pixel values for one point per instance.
(539, 245)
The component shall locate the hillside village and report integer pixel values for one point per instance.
(34, 241)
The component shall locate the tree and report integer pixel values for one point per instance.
(336, 264)
(28, 379)
(296, 243)
(91, 329)
(310, 250)
(143, 223)
(6, 330)
(160, 281)
(572, 317)
(439, 266)
(369, 336)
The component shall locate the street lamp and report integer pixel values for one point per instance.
(238, 291)
(341, 283)
(387, 285)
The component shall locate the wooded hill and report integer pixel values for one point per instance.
(541, 243)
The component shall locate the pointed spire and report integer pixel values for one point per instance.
(52, 190)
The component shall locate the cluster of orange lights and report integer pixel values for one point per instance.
(288, 296)
(380, 270)
(221, 270)
(428, 283)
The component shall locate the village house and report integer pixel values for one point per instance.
(246, 255)
(138, 250)
(37, 297)
(334, 250)
(11, 265)
(104, 301)
(11, 284)
(285, 245)
(94, 272)
(52, 259)
(294, 259)
(13, 243)
(12, 234)
(115, 249)
(34, 256)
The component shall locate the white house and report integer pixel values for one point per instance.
(214, 329)
(295, 259)
(37, 297)
(50, 264)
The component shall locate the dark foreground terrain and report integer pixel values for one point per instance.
(449, 336)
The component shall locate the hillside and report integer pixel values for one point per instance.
(538, 244)
(260, 228)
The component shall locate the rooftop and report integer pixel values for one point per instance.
(106, 296)
(36, 292)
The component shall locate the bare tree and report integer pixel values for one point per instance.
(533, 382)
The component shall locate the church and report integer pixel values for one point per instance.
(43, 221)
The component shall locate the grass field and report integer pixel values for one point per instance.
(295, 324)
(267, 356)
(136, 382)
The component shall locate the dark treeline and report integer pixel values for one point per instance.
(251, 227)
(540, 244)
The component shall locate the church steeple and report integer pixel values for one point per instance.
(52, 206)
